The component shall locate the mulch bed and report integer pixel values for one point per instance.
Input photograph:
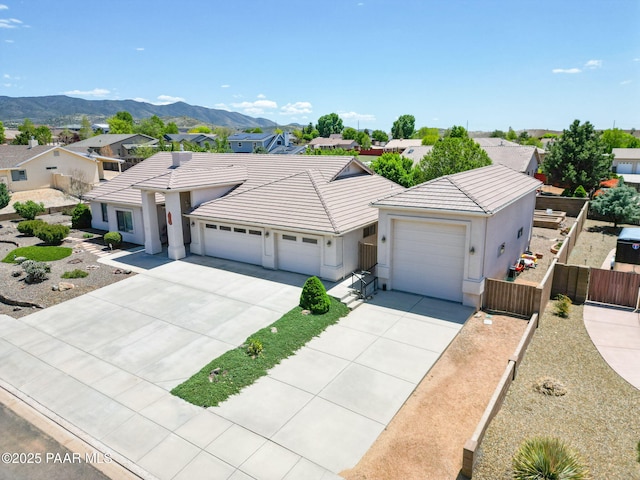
(15, 293)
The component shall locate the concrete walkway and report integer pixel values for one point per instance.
(104, 363)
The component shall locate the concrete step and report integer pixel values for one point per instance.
(355, 303)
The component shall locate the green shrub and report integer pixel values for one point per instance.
(51, 234)
(87, 235)
(28, 227)
(77, 273)
(36, 271)
(547, 459)
(562, 305)
(29, 209)
(5, 196)
(81, 216)
(113, 238)
(314, 296)
(580, 192)
(638, 449)
(254, 347)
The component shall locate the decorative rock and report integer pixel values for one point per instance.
(54, 288)
(16, 273)
(93, 267)
(19, 260)
(62, 286)
(75, 260)
(120, 270)
(274, 330)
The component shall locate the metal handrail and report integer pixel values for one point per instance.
(361, 279)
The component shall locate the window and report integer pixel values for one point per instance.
(125, 221)
(240, 230)
(255, 232)
(370, 230)
(52, 168)
(18, 175)
(309, 240)
(56, 153)
(225, 228)
(289, 237)
(210, 225)
(105, 213)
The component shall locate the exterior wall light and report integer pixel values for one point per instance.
(328, 243)
(502, 247)
(472, 250)
(383, 239)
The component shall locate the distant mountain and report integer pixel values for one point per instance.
(59, 110)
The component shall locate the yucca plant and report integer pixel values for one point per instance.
(548, 459)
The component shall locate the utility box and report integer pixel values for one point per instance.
(628, 246)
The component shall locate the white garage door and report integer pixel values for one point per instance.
(233, 242)
(624, 167)
(298, 253)
(428, 258)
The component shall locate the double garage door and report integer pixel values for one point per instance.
(428, 258)
(295, 253)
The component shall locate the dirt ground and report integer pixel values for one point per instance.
(426, 437)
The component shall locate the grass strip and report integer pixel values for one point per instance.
(238, 369)
(39, 253)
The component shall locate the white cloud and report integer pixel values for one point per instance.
(222, 106)
(566, 70)
(625, 82)
(593, 64)
(8, 41)
(96, 92)
(261, 96)
(140, 99)
(357, 116)
(9, 22)
(225, 86)
(3, 7)
(255, 108)
(360, 4)
(296, 108)
(140, 49)
(167, 99)
(637, 59)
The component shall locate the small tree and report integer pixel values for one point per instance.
(29, 209)
(51, 234)
(81, 216)
(580, 192)
(314, 296)
(618, 205)
(452, 155)
(5, 196)
(395, 168)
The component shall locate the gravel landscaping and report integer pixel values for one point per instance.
(43, 294)
(598, 415)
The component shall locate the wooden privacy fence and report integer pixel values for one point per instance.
(367, 255)
(516, 298)
(617, 288)
(572, 281)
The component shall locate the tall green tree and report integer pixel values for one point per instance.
(171, 128)
(512, 136)
(452, 155)
(578, 157)
(396, 168)
(28, 130)
(403, 127)
(349, 133)
(380, 136)
(619, 204)
(328, 124)
(152, 126)
(363, 140)
(121, 122)
(616, 138)
(3, 138)
(498, 134)
(457, 131)
(85, 128)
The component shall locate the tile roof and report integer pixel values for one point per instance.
(483, 190)
(400, 143)
(249, 136)
(626, 153)
(416, 153)
(13, 155)
(494, 142)
(109, 139)
(517, 157)
(193, 178)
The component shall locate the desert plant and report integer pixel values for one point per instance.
(81, 216)
(28, 227)
(5, 196)
(562, 305)
(51, 234)
(36, 271)
(254, 347)
(314, 296)
(547, 459)
(114, 239)
(77, 273)
(29, 209)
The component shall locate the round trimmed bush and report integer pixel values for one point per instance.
(81, 216)
(29, 209)
(113, 238)
(547, 459)
(314, 296)
(51, 234)
(28, 227)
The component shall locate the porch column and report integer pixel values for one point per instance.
(152, 242)
(175, 236)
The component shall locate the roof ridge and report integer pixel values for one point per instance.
(321, 198)
(467, 193)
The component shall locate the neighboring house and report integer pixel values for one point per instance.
(333, 142)
(521, 158)
(399, 145)
(200, 139)
(30, 167)
(626, 160)
(416, 153)
(304, 214)
(274, 143)
(122, 145)
(443, 238)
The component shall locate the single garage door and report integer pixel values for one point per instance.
(624, 167)
(298, 253)
(428, 258)
(233, 242)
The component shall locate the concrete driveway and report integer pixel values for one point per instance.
(104, 363)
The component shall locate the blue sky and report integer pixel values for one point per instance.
(486, 64)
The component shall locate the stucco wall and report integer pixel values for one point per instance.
(137, 236)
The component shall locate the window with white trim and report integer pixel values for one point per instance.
(289, 237)
(314, 241)
(105, 212)
(125, 220)
(18, 175)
